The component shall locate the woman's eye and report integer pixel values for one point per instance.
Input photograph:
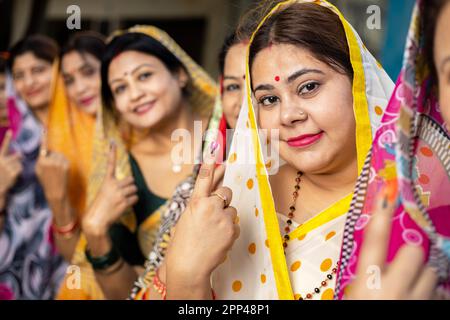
(38, 70)
(18, 76)
(267, 101)
(308, 88)
(88, 72)
(232, 87)
(144, 76)
(68, 81)
(119, 89)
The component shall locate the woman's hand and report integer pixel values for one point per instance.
(52, 170)
(4, 119)
(10, 166)
(406, 277)
(204, 234)
(113, 199)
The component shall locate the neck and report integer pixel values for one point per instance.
(158, 140)
(41, 114)
(337, 181)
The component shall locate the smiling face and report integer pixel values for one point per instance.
(311, 105)
(145, 92)
(32, 80)
(233, 83)
(442, 61)
(82, 80)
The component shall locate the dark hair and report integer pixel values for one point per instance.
(86, 42)
(135, 42)
(310, 26)
(432, 10)
(41, 46)
(230, 41)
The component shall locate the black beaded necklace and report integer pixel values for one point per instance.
(286, 238)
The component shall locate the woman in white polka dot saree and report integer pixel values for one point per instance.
(314, 85)
(305, 82)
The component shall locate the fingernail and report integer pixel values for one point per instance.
(385, 202)
(213, 147)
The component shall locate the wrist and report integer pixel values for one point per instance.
(98, 246)
(198, 288)
(66, 231)
(188, 278)
(104, 261)
(94, 229)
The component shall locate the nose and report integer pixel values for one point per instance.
(135, 92)
(28, 80)
(291, 113)
(80, 86)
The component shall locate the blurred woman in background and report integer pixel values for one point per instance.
(64, 163)
(228, 105)
(30, 267)
(150, 87)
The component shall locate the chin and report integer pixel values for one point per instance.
(92, 111)
(37, 104)
(308, 162)
(143, 123)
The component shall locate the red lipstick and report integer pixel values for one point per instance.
(304, 140)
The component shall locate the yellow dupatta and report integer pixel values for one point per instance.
(256, 267)
(203, 91)
(70, 132)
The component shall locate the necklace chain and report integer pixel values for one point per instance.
(286, 238)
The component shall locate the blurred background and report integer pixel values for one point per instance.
(199, 26)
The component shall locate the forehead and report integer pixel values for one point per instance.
(128, 61)
(283, 60)
(73, 60)
(27, 60)
(235, 58)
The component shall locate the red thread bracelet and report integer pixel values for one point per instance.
(65, 230)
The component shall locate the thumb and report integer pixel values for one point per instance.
(6, 142)
(112, 158)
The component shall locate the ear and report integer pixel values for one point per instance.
(183, 78)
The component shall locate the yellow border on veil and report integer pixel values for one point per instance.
(363, 141)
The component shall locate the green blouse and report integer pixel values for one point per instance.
(123, 239)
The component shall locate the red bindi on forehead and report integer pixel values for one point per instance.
(277, 78)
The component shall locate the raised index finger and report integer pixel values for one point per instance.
(6, 142)
(44, 144)
(203, 185)
(377, 235)
(112, 158)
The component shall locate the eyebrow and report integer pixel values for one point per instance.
(132, 71)
(290, 79)
(302, 72)
(83, 66)
(230, 78)
(445, 61)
